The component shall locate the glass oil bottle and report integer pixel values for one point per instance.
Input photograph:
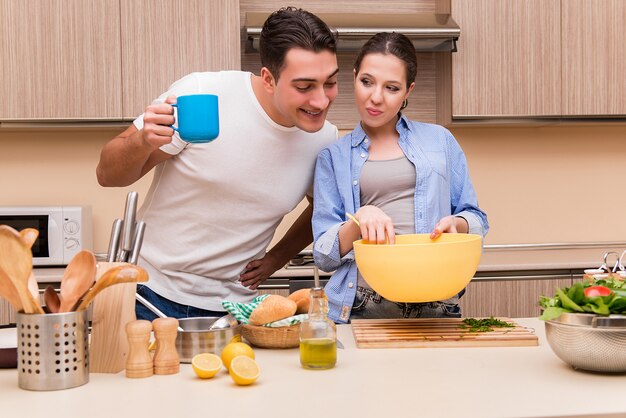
(318, 337)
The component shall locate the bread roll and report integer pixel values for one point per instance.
(273, 308)
(302, 299)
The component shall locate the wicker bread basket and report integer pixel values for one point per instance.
(266, 337)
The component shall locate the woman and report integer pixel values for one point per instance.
(396, 176)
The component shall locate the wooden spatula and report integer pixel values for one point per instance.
(16, 260)
(51, 298)
(29, 236)
(9, 292)
(123, 274)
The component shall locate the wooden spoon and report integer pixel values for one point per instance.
(16, 260)
(122, 274)
(29, 236)
(78, 278)
(51, 297)
(9, 292)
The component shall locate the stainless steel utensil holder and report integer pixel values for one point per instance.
(52, 350)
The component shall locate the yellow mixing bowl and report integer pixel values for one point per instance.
(418, 269)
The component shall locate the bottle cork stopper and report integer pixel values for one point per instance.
(166, 360)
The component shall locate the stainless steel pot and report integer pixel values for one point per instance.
(196, 338)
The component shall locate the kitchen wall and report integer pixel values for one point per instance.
(549, 184)
(59, 168)
(537, 184)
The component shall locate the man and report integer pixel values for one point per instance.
(212, 208)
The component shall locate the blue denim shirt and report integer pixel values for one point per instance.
(442, 188)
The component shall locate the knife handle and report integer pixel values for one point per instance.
(129, 222)
(139, 231)
(114, 242)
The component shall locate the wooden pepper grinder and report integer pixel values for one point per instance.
(139, 362)
(166, 359)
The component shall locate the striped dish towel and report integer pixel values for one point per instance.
(242, 311)
(287, 322)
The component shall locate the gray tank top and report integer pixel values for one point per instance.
(390, 186)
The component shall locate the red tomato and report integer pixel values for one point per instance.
(597, 291)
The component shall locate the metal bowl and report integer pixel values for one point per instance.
(589, 342)
(196, 337)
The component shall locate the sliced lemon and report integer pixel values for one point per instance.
(244, 370)
(233, 350)
(206, 365)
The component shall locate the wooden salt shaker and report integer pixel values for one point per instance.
(139, 362)
(166, 359)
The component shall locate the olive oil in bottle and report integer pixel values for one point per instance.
(318, 353)
(318, 338)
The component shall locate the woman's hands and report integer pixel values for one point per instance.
(375, 225)
(372, 224)
(451, 225)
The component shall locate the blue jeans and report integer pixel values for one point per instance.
(370, 305)
(168, 307)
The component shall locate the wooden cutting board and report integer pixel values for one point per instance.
(436, 332)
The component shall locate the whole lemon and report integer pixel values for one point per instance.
(233, 350)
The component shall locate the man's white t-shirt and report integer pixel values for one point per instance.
(214, 207)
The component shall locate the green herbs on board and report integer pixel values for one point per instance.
(596, 296)
(484, 324)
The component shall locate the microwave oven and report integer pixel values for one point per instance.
(63, 230)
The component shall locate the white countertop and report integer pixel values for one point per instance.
(426, 382)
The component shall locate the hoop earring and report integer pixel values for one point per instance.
(405, 103)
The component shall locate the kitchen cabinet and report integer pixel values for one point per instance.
(508, 62)
(593, 57)
(275, 286)
(8, 314)
(539, 58)
(280, 292)
(60, 59)
(164, 40)
(510, 296)
(107, 60)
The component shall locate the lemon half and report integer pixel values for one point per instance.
(206, 365)
(244, 370)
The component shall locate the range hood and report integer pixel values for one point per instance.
(428, 31)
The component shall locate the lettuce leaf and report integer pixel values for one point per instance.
(573, 299)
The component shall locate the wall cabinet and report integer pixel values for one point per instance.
(164, 40)
(508, 59)
(539, 58)
(60, 59)
(593, 57)
(107, 59)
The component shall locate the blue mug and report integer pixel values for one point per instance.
(198, 118)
